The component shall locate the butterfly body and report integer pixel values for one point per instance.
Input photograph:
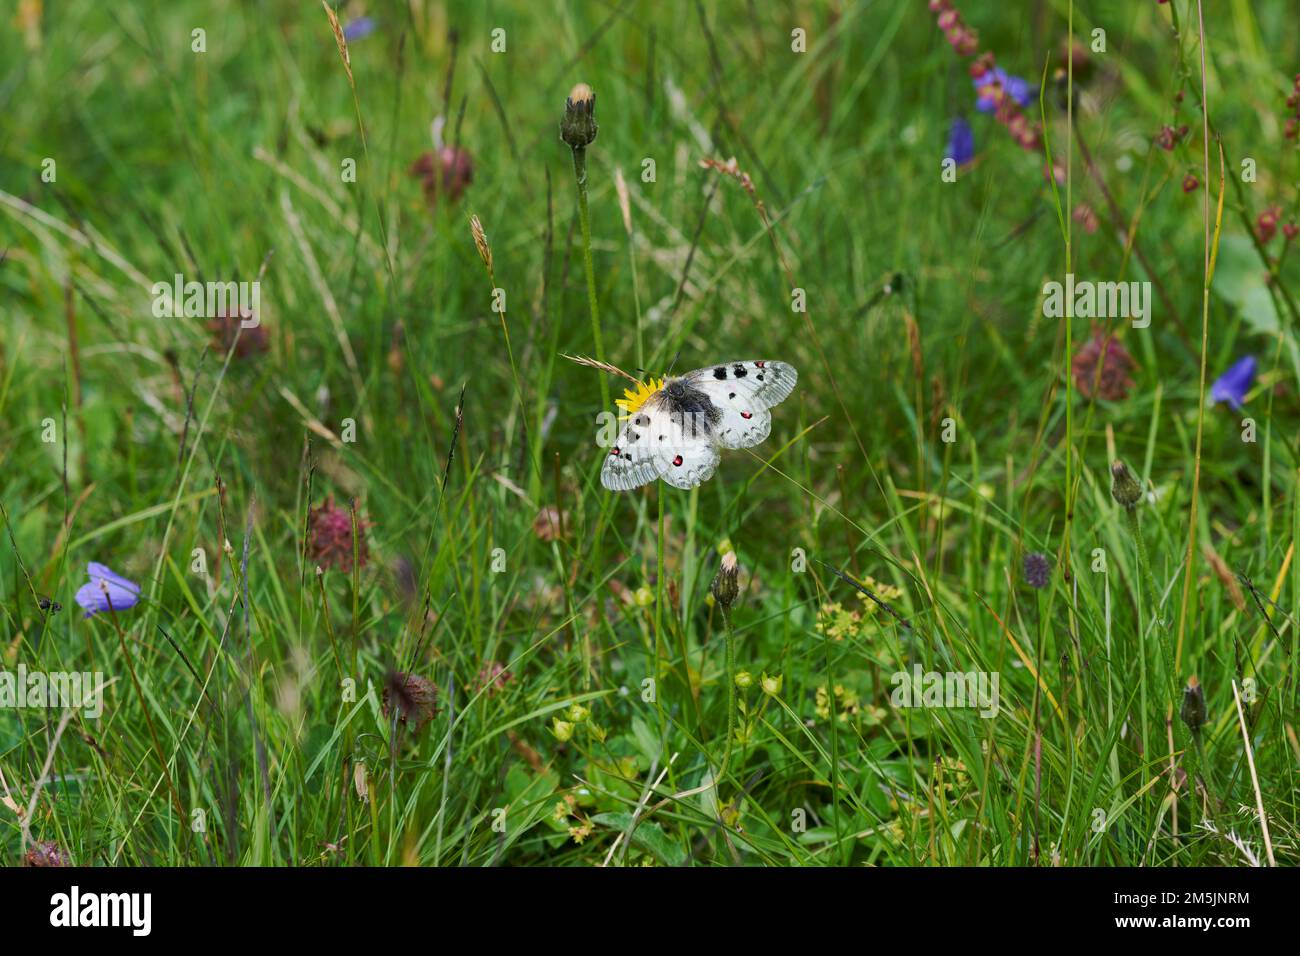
(676, 427)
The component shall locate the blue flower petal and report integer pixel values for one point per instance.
(1233, 385)
(358, 28)
(1013, 86)
(106, 590)
(961, 142)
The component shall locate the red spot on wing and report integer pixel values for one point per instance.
(746, 415)
(614, 453)
(677, 460)
(760, 364)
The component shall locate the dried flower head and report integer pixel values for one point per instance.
(494, 677)
(550, 523)
(447, 171)
(578, 127)
(1038, 570)
(46, 853)
(1124, 488)
(1101, 368)
(330, 542)
(414, 699)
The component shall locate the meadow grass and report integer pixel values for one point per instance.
(937, 436)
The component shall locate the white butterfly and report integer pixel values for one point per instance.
(675, 427)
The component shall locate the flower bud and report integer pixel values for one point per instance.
(771, 685)
(724, 587)
(578, 127)
(562, 729)
(744, 680)
(577, 713)
(1193, 712)
(1124, 488)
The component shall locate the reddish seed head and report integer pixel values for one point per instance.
(412, 698)
(225, 327)
(1101, 368)
(1190, 183)
(330, 544)
(444, 172)
(45, 854)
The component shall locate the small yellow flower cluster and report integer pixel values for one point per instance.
(846, 703)
(952, 771)
(838, 622)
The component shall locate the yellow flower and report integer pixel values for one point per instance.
(823, 706)
(562, 729)
(837, 623)
(771, 685)
(886, 592)
(634, 399)
(643, 596)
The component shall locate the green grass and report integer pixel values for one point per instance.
(230, 699)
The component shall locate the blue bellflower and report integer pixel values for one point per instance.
(1232, 385)
(961, 142)
(106, 589)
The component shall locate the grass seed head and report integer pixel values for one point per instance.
(1193, 710)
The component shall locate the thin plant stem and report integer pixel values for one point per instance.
(584, 220)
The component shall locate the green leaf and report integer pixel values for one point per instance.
(647, 836)
(1239, 279)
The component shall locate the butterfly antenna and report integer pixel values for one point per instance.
(867, 591)
(603, 366)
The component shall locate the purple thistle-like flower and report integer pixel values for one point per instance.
(961, 142)
(1012, 86)
(106, 589)
(1232, 385)
(1038, 570)
(358, 28)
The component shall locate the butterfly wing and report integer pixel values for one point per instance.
(687, 450)
(743, 392)
(634, 461)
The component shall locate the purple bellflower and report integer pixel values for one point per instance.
(1232, 385)
(106, 589)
